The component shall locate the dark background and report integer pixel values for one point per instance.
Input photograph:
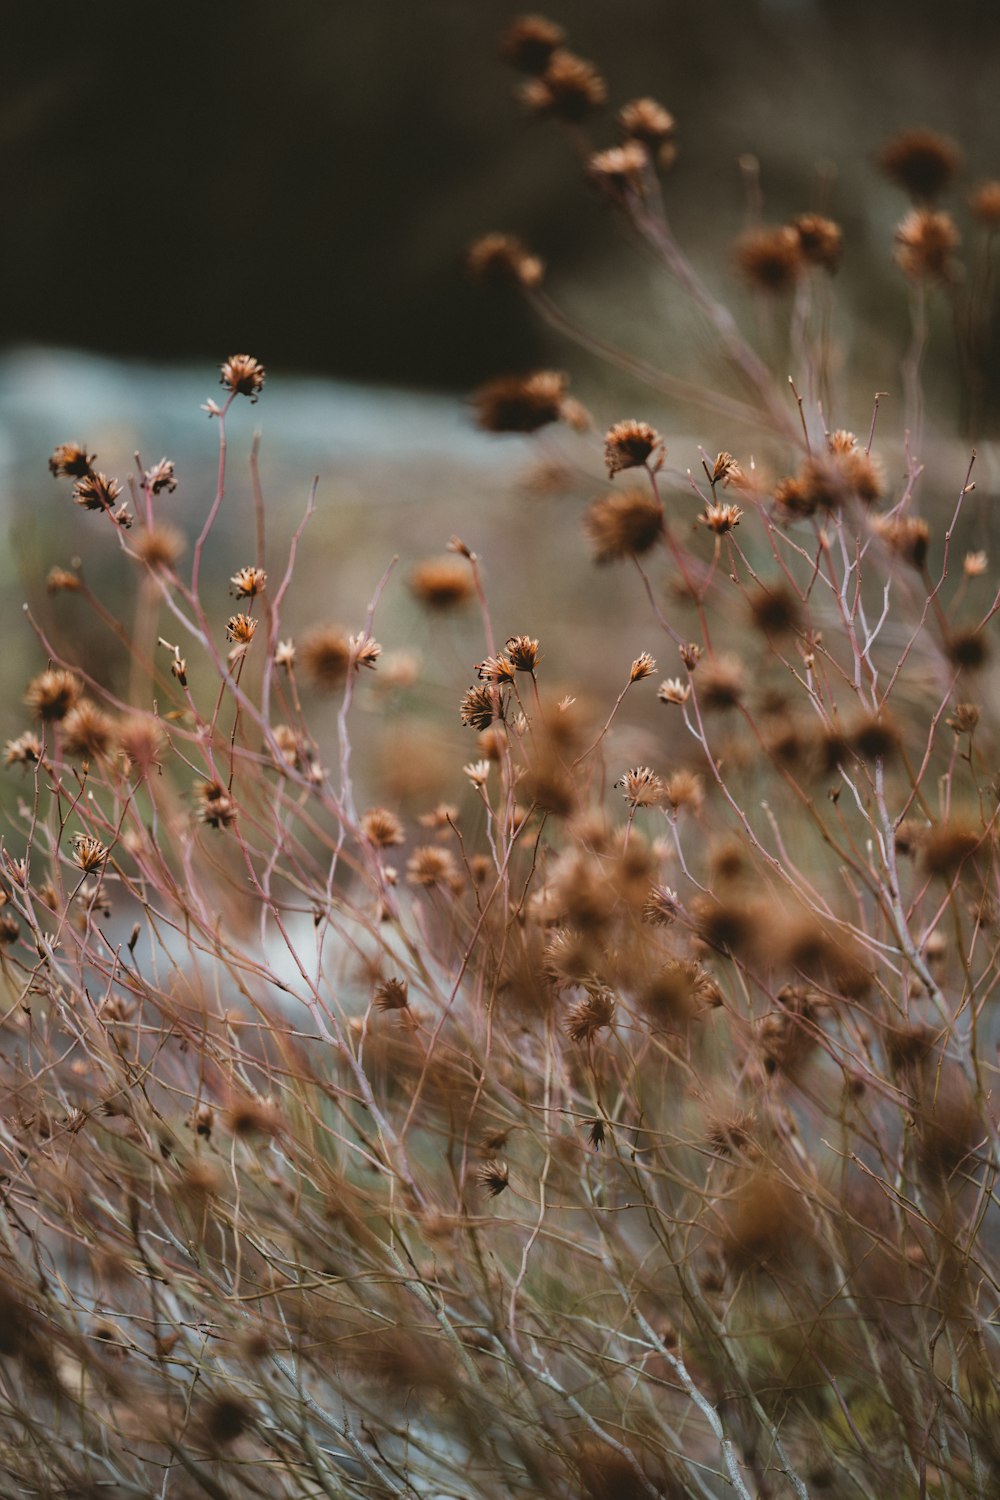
(298, 179)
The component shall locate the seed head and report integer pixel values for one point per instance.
(52, 694)
(820, 240)
(921, 162)
(479, 708)
(974, 564)
(26, 750)
(964, 718)
(325, 654)
(496, 670)
(248, 582)
(523, 653)
(646, 121)
(365, 651)
(87, 730)
(503, 258)
(243, 375)
(529, 42)
(392, 994)
(985, 204)
(619, 169)
(61, 580)
(520, 403)
(96, 491)
(478, 772)
(673, 690)
(71, 461)
(721, 682)
(284, 655)
(161, 477)
(907, 536)
(215, 805)
(684, 789)
(590, 1016)
(493, 1176)
(89, 853)
(430, 865)
(382, 828)
(726, 469)
(925, 243)
(628, 524)
(441, 583)
(721, 518)
(241, 628)
(946, 847)
(968, 648)
(570, 89)
(641, 787)
(159, 546)
(643, 666)
(629, 445)
(770, 259)
(775, 609)
(140, 739)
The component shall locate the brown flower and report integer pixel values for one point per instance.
(87, 730)
(770, 258)
(441, 583)
(215, 805)
(496, 670)
(529, 42)
(628, 524)
(520, 403)
(503, 257)
(643, 666)
(71, 461)
(430, 865)
(985, 204)
(590, 1016)
(820, 240)
(570, 89)
(721, 682)
(925, 242)
(947, 846)
(721, 518)
(907, 536)
(325, 657)
(52, 694)
(159, 546)
(89, 853)
(618, 169)
(161, 477)
(61, 580)
(479, 707)
(140, 739)
(920, 161)
(646, 121)
(494, 1176)
(629, 445)
(382, 828)
(96, 492)
(392, 994)
(523, 652)
(248, 582)
(641, 787)
(243, 375)
(26, 750)
(241, 629)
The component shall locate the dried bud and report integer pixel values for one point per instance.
(570, 89)
(160, 477)
(96, 492)
(770, 259)
(248, 582)
(629, 445)
(503, 257)
(480, 707)
(523, 653)
(71, 461)
(392, 994)
(643, 666)
(721, 518)
(88, 852)
(628, 524)
(242, 375)
(641, 787)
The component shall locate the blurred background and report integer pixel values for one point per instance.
(299, 181)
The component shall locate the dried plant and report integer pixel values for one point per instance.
(624, 1126)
